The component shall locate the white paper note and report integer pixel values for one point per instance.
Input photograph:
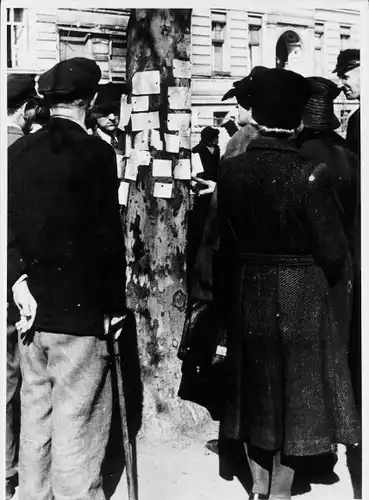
(185, 139)
(181, 69)
(171, 143)
(128, 141)
(141, 140)
(179, 98)
(142, 158)
(123, 193)
(197, 167)
(162, 168)
(179, 121)
(183, 170)
(125, 112)
(155, 140)
(146, 82)
(140, 103)
(162, 190)
(131, 170)
(144, 121)
(120, 165)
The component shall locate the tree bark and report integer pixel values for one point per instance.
(155, 232)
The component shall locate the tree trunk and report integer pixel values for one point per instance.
(155, 230)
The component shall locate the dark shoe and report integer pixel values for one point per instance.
(9, 490)
(258, 496)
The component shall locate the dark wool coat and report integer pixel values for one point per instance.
(64, 227)
(210, 161)
(283, 244)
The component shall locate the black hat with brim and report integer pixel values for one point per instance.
(208, 133)
(108, 99)
(75, 78)
(347, 60)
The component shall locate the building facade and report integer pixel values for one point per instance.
(226, 45)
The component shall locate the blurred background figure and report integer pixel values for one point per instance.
(21, 105)
(208, 150)
(20, 116)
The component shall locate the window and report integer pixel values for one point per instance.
(218, 118)
(345, 37)
(16, 36)
(254, 46)
(218, 24)
(319, 50)
(108, 50)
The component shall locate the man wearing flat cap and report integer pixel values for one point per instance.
(66, 266)
(348, 70)
(21, 110)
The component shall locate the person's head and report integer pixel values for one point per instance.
(20, 102)
(106, 109)
(319, 110)
(275, 98)
(71, 86)
(210, 136)
(42, 115)
(348, 71)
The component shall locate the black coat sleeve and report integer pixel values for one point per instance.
(329, 242)
(16, 261)
(111, 236)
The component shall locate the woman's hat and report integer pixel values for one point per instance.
(319, 110)
(276, 97)
(108, 99)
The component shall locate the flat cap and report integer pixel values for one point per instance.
(20, 88)
(346, 61)
(70, 79)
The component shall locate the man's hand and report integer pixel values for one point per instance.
(26, 304)
(114, 324)
(207, 190)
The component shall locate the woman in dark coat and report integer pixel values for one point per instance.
(319, 141)
(283, 246)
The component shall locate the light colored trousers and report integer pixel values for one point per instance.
(66, 404)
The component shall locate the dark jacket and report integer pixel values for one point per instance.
(353, 133)
(210, 161)
(283, 244)
(64, 227)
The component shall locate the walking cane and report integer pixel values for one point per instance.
(129, 445)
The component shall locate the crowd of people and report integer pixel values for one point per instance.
(273, 239)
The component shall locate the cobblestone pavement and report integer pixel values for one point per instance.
(189, 472)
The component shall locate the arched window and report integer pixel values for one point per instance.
(288, 48)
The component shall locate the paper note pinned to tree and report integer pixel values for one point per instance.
(155, 140)
(183, 170)
(179, 121)
(145, 121)
(125, 112)
(181, 69)
(131, 170)
(163, 190)
(185, 139)
(123, 192)
(162, 168)
(179, 98)
(140, 103)
(142, 158)
(141, 140)
(146, 82)
(197, 167)
(171, 143)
